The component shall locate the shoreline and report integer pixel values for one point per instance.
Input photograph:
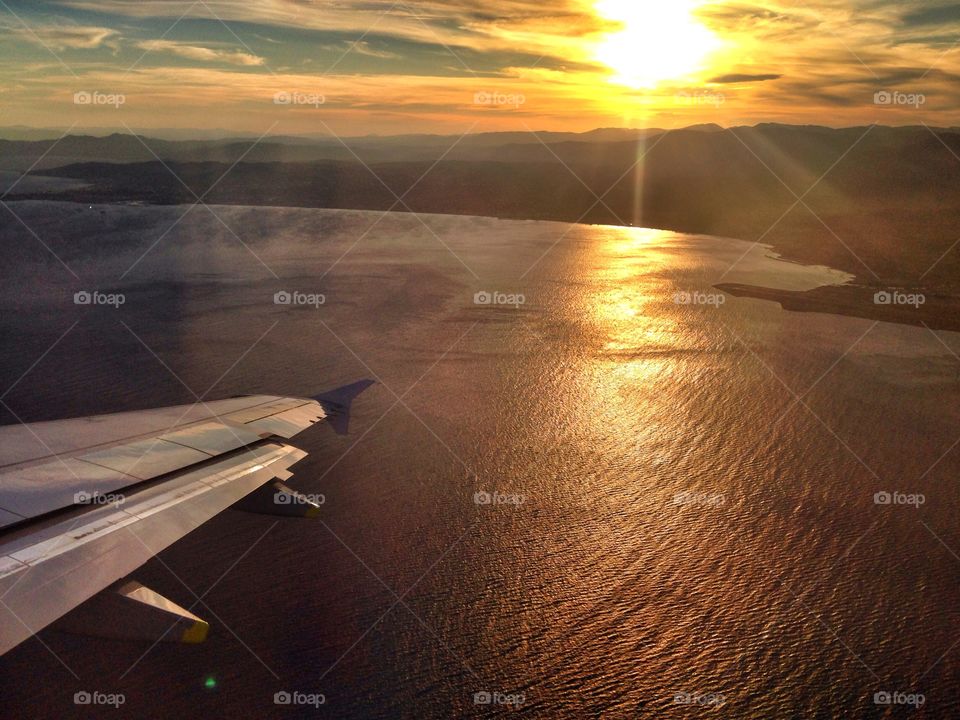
(941, 311)
(938, 312)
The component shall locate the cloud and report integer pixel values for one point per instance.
(744, 78)
(556, 31)
(947, 14)
(76, 37)
(361, 47)
(364, 48)
(755, 20)
(203, 54)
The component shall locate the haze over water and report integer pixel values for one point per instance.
(687, 527)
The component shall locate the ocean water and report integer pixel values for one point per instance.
(586, 485)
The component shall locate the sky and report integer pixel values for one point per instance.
(381, 67)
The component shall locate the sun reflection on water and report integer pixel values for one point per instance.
(631, 311)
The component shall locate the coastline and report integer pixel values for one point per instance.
(938, 312)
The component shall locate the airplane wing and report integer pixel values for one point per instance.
(85, 501)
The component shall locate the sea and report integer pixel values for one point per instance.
(587, 483)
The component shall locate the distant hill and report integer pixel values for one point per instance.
(23, 152)
(885, 201)
(605, 145)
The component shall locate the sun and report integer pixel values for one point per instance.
(659, 40)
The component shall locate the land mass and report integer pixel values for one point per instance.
(933, 311)
(881, 203)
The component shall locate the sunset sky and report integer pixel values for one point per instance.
(376, 66)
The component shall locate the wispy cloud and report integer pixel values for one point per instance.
(500, 24)
(365, 48)
(201, 53)
(68, 37)
(360, 47)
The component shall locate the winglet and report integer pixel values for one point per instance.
(337, 403)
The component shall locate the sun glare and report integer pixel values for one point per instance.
(659, 40)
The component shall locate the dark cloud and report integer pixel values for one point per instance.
(933, 16)
(934, 41)
(744, 78)
(907, 75)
